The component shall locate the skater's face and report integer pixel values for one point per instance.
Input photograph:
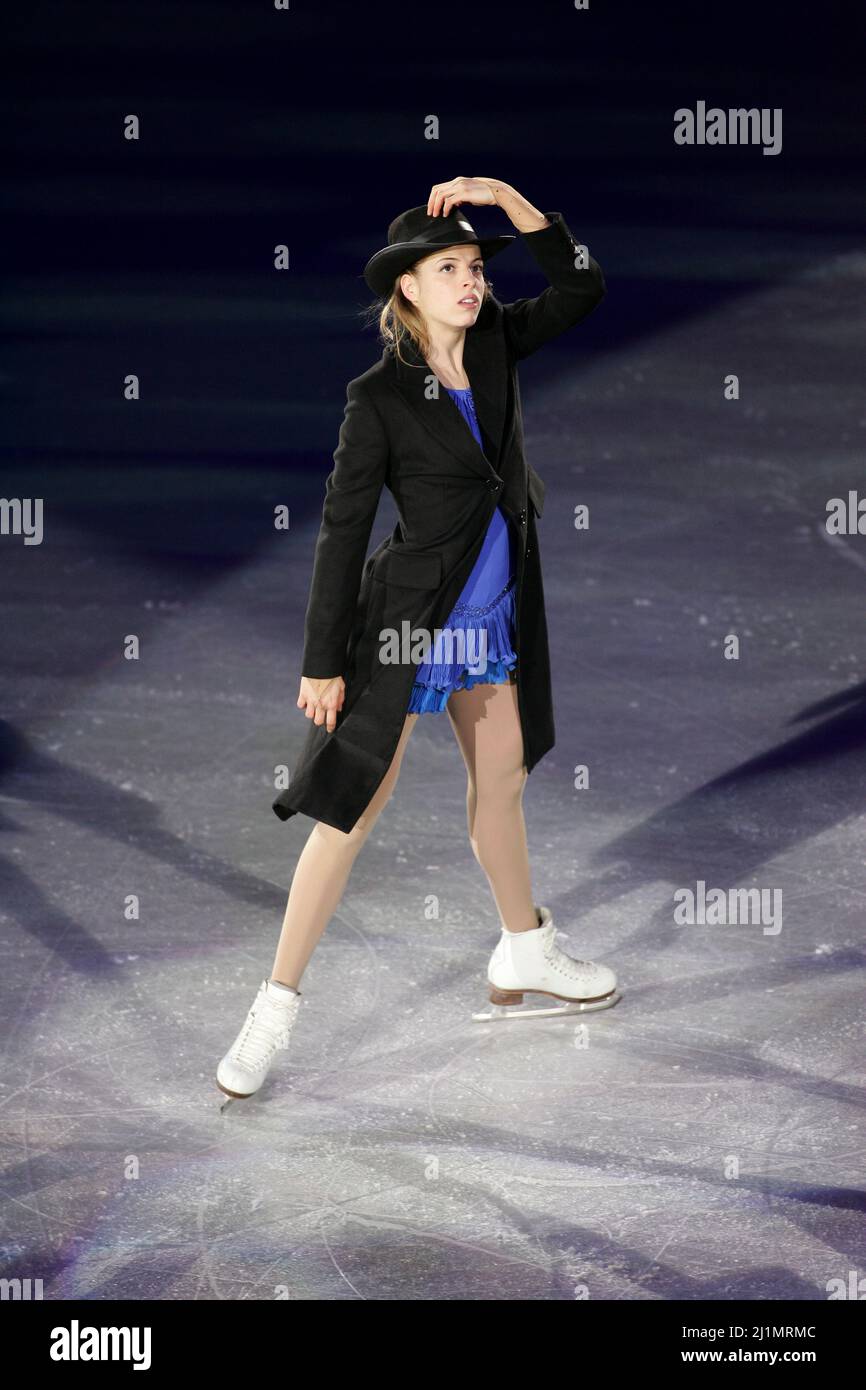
(447, 286)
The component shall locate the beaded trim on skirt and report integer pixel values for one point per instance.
(492, 624)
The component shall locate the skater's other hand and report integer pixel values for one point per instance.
(322, 699)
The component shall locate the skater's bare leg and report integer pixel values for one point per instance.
(486, 724)
(321, 875)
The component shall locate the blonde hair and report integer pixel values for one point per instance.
(397, 318)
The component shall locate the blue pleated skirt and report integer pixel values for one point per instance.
(475, 645)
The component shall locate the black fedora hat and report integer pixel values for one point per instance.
(415, 234)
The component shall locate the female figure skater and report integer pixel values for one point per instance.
(437, 420)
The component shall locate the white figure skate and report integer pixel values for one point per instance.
(268, 1026)
(530, 962)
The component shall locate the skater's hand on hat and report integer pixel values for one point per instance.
(445, 196)
(321, 700)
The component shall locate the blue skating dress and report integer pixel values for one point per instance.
(484, 612)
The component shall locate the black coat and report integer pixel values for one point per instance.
(399, 432)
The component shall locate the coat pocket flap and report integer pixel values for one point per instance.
(409, 568)
(535, 488)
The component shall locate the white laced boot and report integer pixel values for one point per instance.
(268, 1026)
(531, 962)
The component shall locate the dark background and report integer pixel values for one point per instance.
(306, 127)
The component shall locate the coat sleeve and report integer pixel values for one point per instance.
(352, 492)
(570, 296)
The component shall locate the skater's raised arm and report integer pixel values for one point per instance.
(576, 288)
(576, 281)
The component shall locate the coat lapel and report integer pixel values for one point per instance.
(486, 369)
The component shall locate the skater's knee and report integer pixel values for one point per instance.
(328, 835)
(501, 784)
(367, 819)
(365, 822)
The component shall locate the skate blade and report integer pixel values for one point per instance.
(498, 1012)
(226, 1097)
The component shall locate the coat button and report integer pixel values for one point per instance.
(523, 516)
(494, 484)
(529, 550)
